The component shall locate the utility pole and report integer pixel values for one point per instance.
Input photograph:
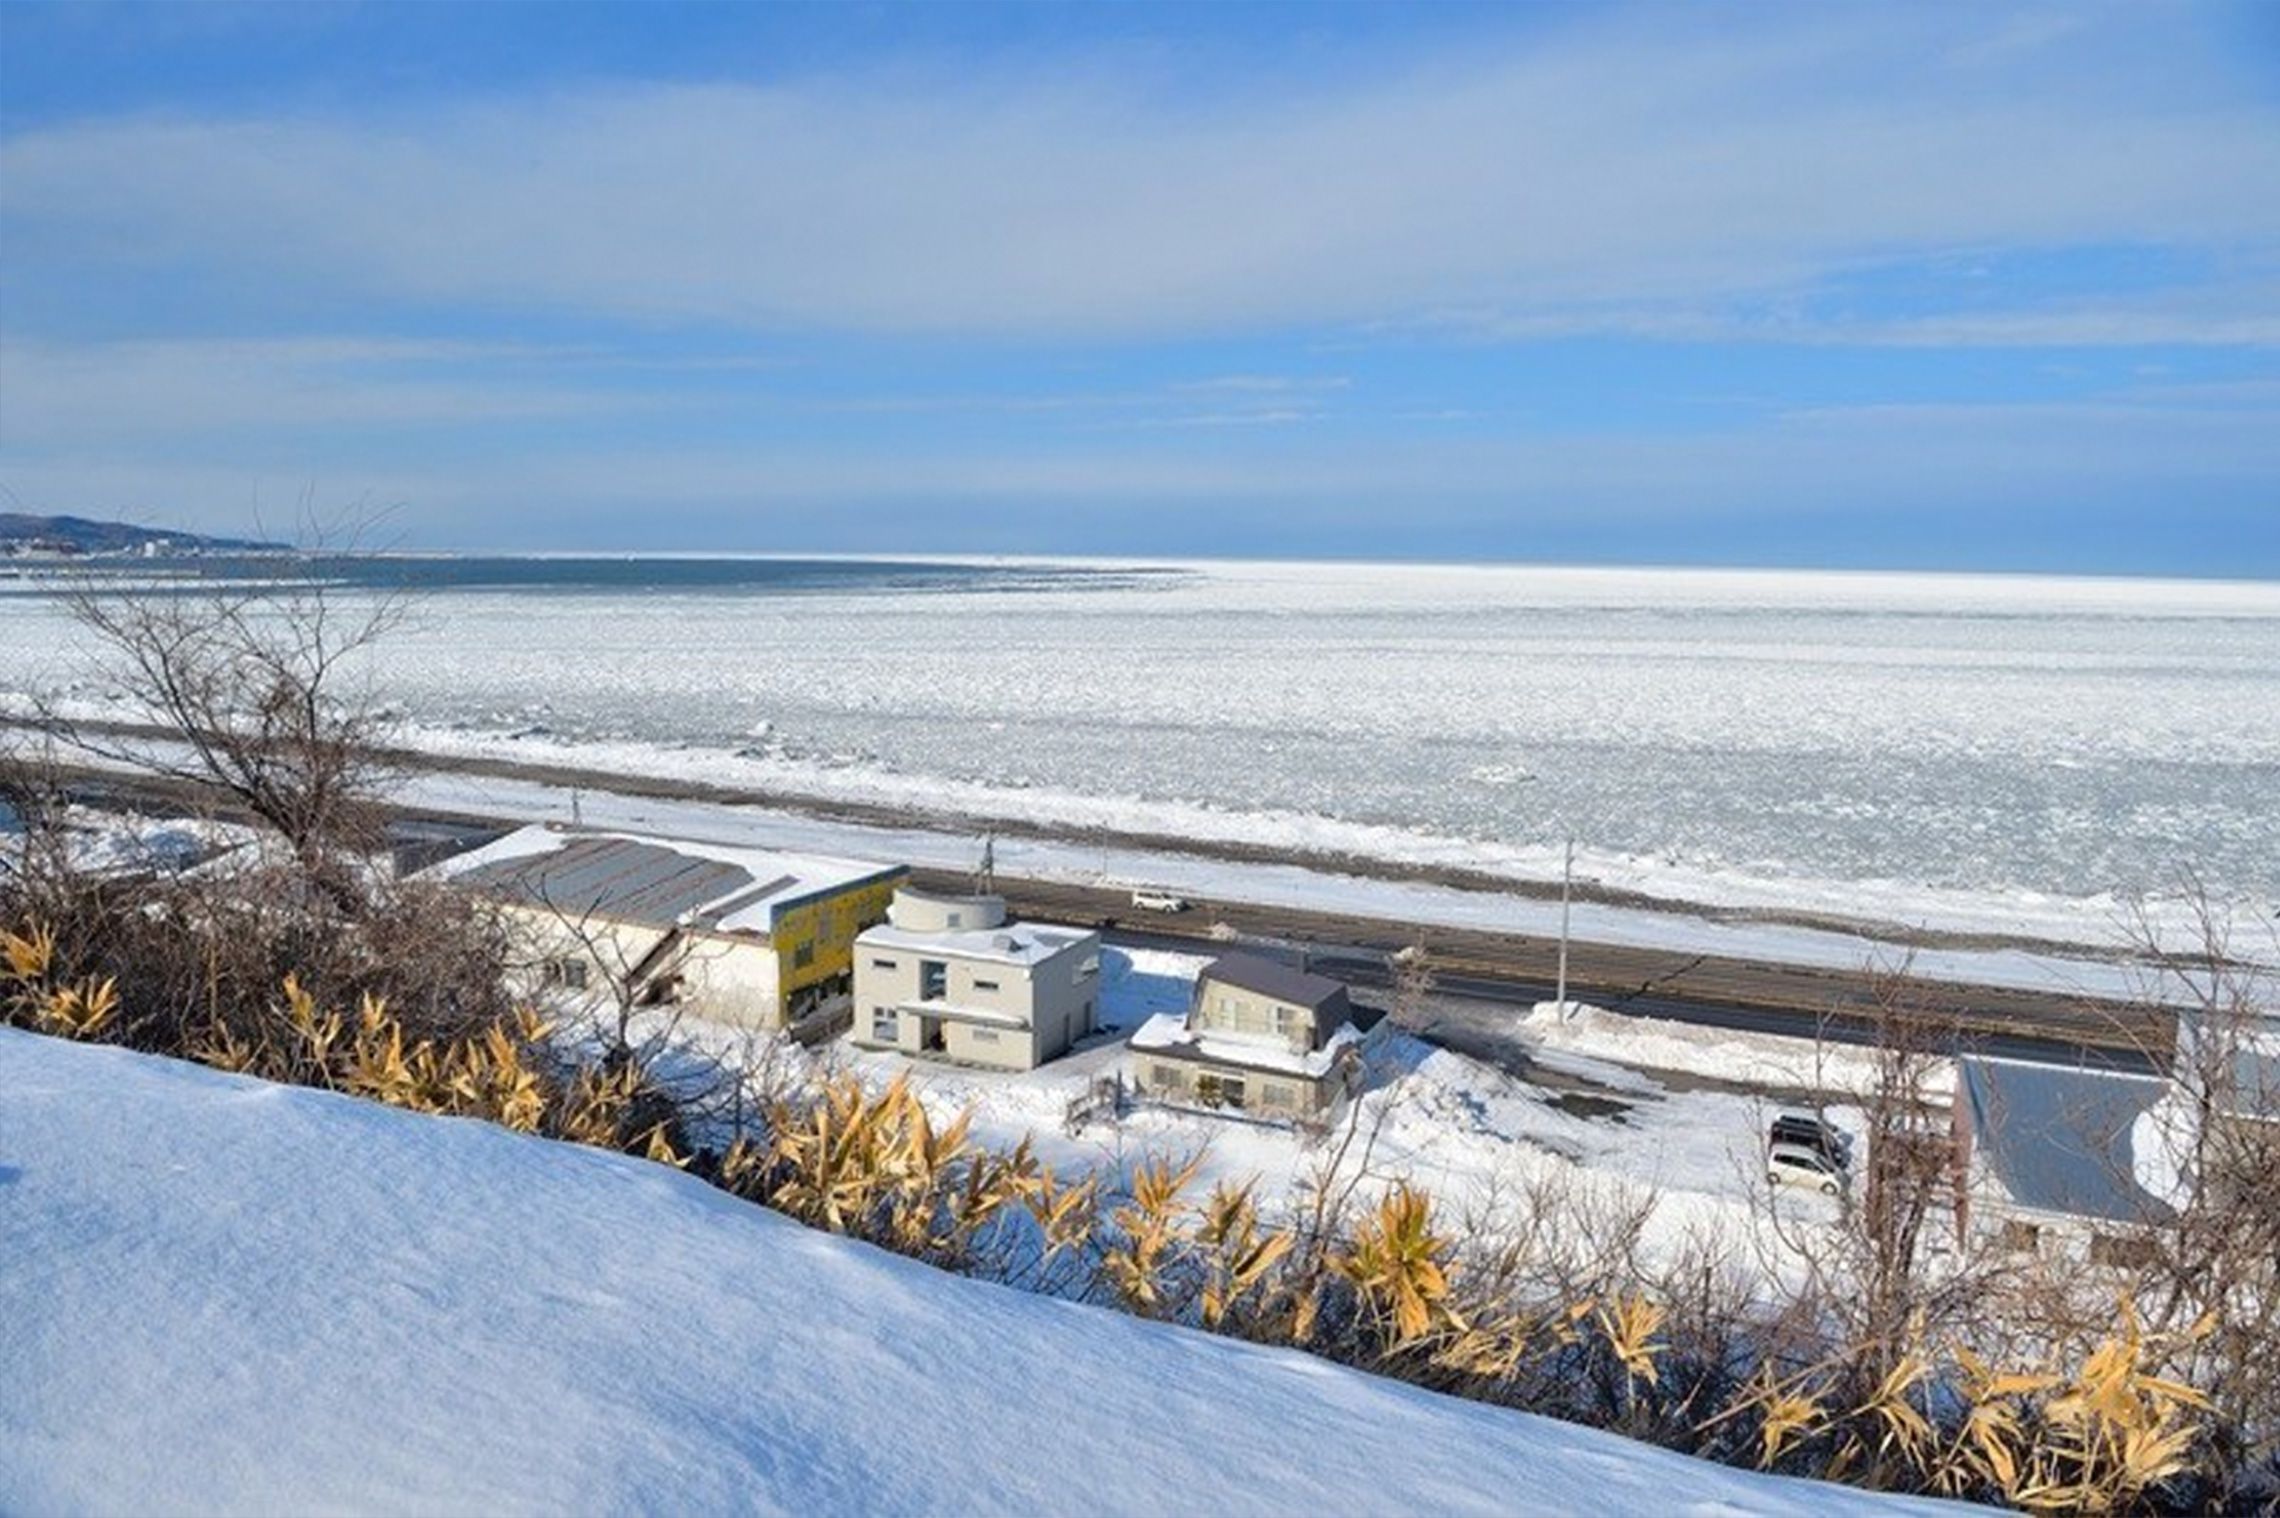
(1567, 882)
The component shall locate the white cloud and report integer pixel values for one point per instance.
(1623, 166)
(64, 395)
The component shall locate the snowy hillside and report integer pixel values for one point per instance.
(226, 1295)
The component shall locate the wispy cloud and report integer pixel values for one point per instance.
(61, 395)
(1594, 174)
(1266, 384)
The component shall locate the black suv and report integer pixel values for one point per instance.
(1830, 1142)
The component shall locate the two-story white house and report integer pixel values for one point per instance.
(1260, 1037)
(950, 977)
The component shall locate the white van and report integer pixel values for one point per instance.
(1796, 1165)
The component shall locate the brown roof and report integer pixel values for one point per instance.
(1251, 972)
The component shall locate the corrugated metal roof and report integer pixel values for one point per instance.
(2059, 1139)
(619, 878)
(1269, 978)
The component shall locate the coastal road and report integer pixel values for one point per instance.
(1482, 980)
(1480, 976)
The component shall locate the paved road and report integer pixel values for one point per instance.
(1484, 976)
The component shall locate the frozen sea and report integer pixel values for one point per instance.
(1952, 749)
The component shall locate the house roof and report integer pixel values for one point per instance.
(1251, 972)
(2059, 1139)
(1012, 943)
(653, 882)
(1167, 1034)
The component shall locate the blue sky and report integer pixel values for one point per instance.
(1955, 286)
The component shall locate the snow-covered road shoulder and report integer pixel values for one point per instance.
(223, 1295)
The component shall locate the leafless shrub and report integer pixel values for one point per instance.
(2211, 1147)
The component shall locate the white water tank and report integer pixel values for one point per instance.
(916, 911)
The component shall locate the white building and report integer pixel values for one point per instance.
(950, 977)
(739, 935)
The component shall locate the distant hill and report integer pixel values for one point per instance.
(23, 533)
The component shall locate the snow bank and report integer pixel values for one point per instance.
(112, 843)
(1753, 1059)
(227, 1295)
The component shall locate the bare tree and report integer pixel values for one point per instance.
(248, 701)
(2210, 1149)
(1895, 1270)
(254, 693)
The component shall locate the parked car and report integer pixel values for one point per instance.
(1797, 1165)
(1149, 899)
(1808, 1132)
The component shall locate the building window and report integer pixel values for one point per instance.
(933, 979)
(885, 964)
(804, 955)
(886, 1026)
(1279, 1094)
(985, 985)
(985, 1035)
(1163, 1077)
(2123, 1251)
(2019, 1236)
(569, 974)
(1215, 1090)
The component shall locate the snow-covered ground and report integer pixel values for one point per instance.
(1480, 1139)
(223, 1295)
(110, 843)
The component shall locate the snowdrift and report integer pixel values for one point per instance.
(223, 1295)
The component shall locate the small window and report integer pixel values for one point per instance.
(570, 974)
(985, 1035)
(885, 964)
(2123, 1251)
(804, 955)
(1279, 1094)
(985, 985)
(1163, 1077)
(886, 1025)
